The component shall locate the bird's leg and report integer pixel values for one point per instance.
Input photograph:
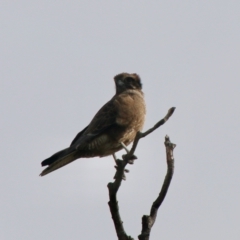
(115, 158)
(133, 157)
(125, 147)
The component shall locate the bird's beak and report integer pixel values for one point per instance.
(119, 82)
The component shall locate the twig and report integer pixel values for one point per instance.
(119, 176)
(148, 221)
(157, 125)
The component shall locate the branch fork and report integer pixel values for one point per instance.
(147, 221)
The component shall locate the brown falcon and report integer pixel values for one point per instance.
(113, 127)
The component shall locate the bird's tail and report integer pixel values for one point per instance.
(58, 160)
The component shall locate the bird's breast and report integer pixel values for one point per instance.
(131, 110)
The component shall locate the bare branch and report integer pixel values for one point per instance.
(148, 221)
(113, 203)
(144, 134)
(119, 176)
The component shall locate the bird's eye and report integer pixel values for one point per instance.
(128, 79)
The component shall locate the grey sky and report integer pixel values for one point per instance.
(57, 62)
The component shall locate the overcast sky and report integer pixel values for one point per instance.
(57, 63)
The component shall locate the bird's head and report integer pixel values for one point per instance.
(126, 81)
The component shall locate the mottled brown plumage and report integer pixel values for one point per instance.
(116, 122)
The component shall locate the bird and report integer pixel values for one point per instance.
(112, 128)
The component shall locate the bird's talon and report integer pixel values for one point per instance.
(134, 157)
(130, 160)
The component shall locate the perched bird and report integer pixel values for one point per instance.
(113, 127)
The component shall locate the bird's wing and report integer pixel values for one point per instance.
(103, 120)
(78, 136)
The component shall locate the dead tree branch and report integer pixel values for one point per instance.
(119, 176)
(148, 221)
